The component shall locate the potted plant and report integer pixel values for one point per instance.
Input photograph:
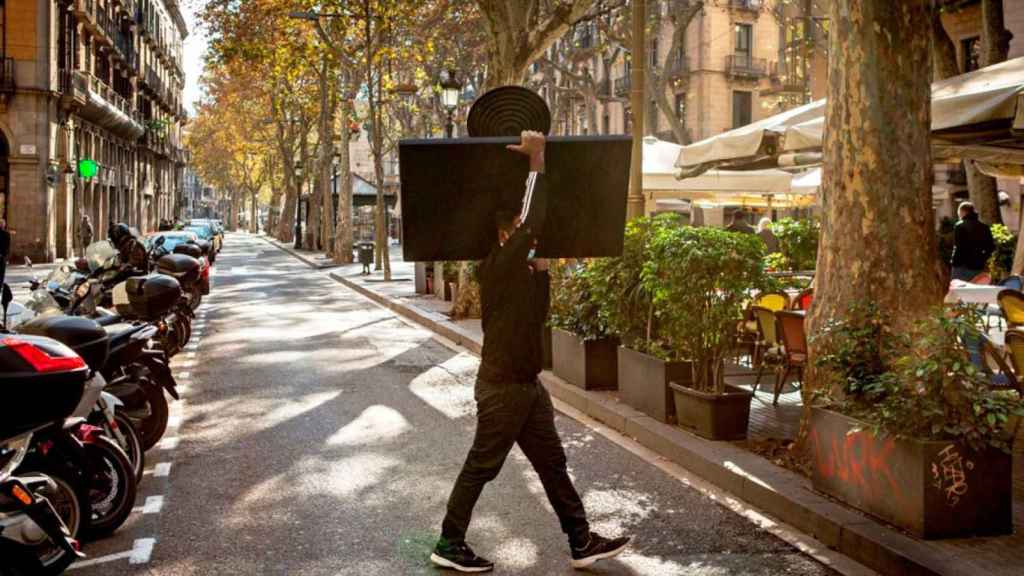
(698, 279)
(908, 428)
(583, 350)
(645, 366)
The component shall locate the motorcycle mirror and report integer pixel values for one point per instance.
(160, 241)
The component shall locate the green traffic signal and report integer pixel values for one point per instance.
(87, 168)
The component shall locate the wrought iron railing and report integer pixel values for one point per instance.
(623, 85)
(7, 84)
(742, 64)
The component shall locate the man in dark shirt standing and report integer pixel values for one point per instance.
(512, 405)
(973, 244)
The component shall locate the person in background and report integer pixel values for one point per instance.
(5, 249)
(972, 244)
(85, 232)
(739, 223)
(764, 230)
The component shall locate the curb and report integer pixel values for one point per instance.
(305, 260)
(779, 492)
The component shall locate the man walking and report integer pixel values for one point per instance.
(512, 405)
(973, 244)
(85, 232)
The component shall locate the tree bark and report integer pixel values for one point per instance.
(878, 240)
(343, 230)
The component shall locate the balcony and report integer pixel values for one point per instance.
(742, 66)
(85, 10)
(784, 79)
(749, 6)
(74, 88)
(623, 85)
(678, 69)
(104, 106)
(106, 29)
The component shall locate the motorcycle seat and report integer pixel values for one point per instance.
(119, 339)
(108, 320)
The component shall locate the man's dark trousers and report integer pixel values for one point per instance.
(510, 413)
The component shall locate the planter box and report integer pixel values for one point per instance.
(643, 381)
(589, 364)
(934, 489)
(713, 416)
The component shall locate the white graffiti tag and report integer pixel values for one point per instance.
(950, 474)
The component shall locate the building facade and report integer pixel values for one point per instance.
(89, 83)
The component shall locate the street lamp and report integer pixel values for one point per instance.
(298, 205)
(450, 91)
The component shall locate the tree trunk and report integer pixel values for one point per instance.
(286, 227)
(377, 148)
(878, 239)
(343, 231)
(233, 217)
(254, 223)
(984, 194)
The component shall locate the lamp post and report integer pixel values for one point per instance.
(298, 205)
(450, 92)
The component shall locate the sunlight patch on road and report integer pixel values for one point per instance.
(350, 476)
(641, 565)
(612, 511)
(517, 553)
(376, 424)
(448, 387)
(296, 406)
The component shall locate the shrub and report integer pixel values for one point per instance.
(919, 385)
(1001, 261)
(573, 307)
(798, 242)
(699, 279)
(624, 302)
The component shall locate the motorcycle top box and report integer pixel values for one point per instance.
(189, 249)
(87, 338)
(148, 297)
(184, 268)
(41, 380)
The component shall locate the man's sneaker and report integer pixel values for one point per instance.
(597, 548)
(459, 557)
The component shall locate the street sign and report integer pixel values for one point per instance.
(88, 168)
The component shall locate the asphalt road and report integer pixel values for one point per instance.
(320, 435)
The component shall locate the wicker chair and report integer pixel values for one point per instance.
(1011, 303)
(769, 346)
(794, 344)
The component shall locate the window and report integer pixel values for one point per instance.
(606, 124)
(681, 106)
(654, 53)
(652, 118)
(741, 108)
(969, 50)
(744, 43)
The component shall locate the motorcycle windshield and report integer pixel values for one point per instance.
(60, 277)
(100, 255)
(42, 303)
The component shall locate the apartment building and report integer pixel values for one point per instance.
(89, 84)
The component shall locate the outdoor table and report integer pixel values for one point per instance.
(972, 293)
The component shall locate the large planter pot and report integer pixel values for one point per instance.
(643, 382)
(589, 364)
(933, 489)
(713, 416)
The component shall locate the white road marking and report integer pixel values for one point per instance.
(100, 560)
(162, 470)
(169, 443)
(142, 551)
(153, 505)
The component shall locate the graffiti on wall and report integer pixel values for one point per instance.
(949, 474)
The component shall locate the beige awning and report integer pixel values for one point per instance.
(989, 97)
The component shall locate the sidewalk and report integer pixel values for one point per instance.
(783, 494)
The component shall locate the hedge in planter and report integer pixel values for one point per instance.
(908, 429)
(698, 279)
(626, 305)
(582, 346)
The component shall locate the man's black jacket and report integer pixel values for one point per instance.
(514, 297)
(973, 243)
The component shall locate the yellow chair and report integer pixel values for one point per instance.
(1011, 302)
(773, 301)
(1015, 348)
(769, 348)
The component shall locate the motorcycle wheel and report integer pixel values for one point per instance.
(196, 297)
(152, 428)
(132, 444)
(73, 508)
(183, 327)
(113, 486)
